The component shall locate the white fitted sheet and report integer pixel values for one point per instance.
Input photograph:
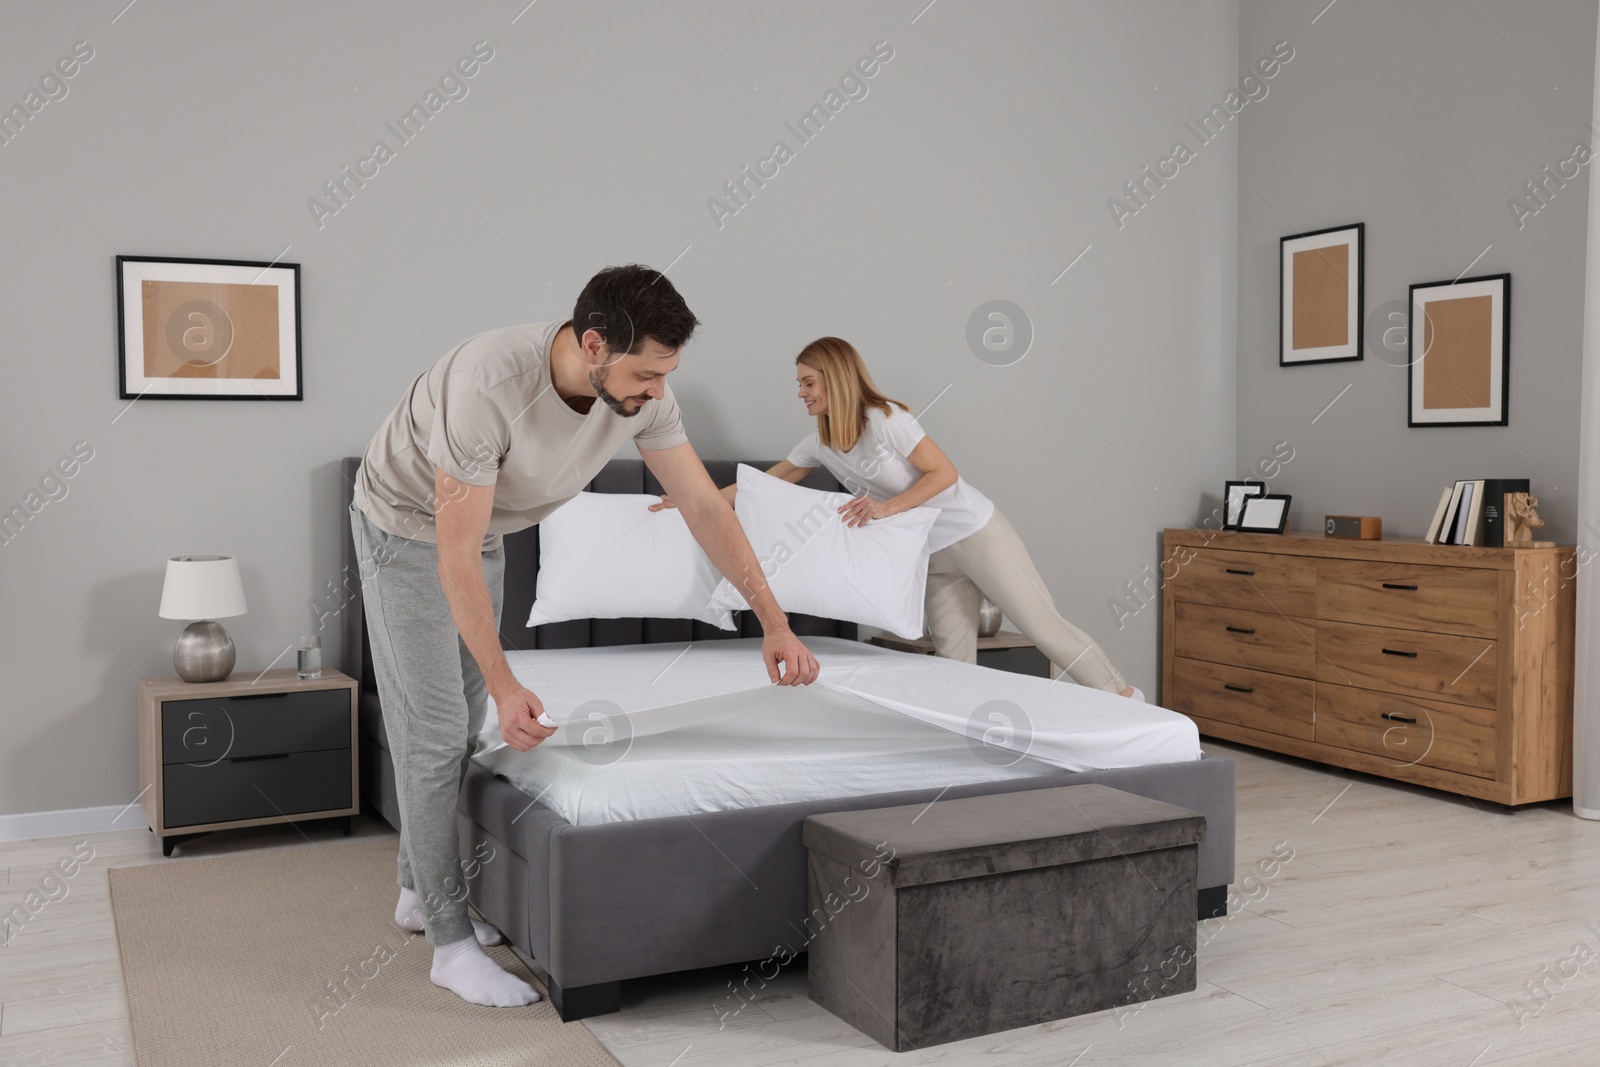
(687, 728)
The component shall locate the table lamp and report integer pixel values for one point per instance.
(203, 588)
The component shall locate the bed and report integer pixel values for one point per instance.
(607, 896)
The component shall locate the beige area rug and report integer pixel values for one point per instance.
(291, 958)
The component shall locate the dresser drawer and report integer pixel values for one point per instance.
(1450, 737)
(1461, 670)
(1257, 581)
(1244, 638)
(1452, 600)
(1252, 699)
(198, 793)
(200, 731)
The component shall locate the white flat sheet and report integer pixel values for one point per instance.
(682, 729)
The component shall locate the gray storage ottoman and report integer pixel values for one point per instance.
(966, 917)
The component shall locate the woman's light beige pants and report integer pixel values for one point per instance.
(994, 561)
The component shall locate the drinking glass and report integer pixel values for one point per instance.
(309, 664)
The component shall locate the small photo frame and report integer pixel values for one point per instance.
(1321, 292)
(1265, 514)
(1459, 367)
(1234, 494)
(197, 329)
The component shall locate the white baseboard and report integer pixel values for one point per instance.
(29, 824)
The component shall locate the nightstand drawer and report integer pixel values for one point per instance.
(1255, 580)
(288, 784)
(1452, 600)
(200, 731)
(1016, 660)
(1263, 640)
(1463, 670)
(1405, 732)
(1252, 699)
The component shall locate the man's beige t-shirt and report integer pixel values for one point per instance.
(487, 414)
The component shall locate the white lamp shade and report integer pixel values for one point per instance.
(202, 587)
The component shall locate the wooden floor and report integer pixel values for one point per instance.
(1409, 928)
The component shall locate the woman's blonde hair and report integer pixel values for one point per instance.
(850, 391)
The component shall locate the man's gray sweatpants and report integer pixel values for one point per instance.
(434, 701)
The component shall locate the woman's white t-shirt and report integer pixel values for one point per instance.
(878, 466)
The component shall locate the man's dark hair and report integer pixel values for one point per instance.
(631, 303)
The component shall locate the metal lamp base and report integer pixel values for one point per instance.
(988, 618)
(204, 652)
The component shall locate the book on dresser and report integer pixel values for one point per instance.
(1472, 512)
(1494, 503)
(1432, 536)
(1452, 506)
(1471, 492)
(1447, 666)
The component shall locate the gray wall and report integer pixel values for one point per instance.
(978, 167)
(1422, 120)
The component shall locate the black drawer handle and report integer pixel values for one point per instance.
(1399, 585)
(1398, 718)
(1240, 630)
(253, 759)
(256, 696)
(1398, 652)
(1238, 688)
(1235, 570)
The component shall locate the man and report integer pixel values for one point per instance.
(489, 440)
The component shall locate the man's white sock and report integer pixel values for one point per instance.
(408, 913)
(467, 971)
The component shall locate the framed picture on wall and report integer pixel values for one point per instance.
(1320, 295)
(1459, 367)
(197, 329)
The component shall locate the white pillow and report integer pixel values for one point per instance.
(608, 556)
(875, 574)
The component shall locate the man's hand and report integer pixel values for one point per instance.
(785, 649)
(519, 712)
(717, 530)
(863, 509)
(729, 493)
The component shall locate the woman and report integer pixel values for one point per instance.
(876, 449)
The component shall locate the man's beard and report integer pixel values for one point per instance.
(617, 404)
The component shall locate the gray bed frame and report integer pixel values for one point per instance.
(596, 905)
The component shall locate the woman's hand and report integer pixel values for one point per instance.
(666, 502)
(863, 509)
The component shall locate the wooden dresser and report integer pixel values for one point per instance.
(1442, 665)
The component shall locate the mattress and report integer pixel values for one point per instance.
(650, 731)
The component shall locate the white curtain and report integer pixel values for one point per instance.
(1586, 703)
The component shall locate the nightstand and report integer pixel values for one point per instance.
(1005, 651)
(247, 751)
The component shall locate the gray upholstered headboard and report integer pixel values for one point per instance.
(522, 568)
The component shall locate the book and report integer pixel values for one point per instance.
(1463, 515)
(1494, 502)
(1447, 529)
(1475, 516)
(1432, 537)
